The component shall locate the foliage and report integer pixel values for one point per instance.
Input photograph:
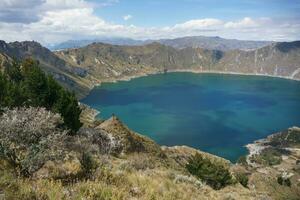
(288, 138)
(242, 179)
(242, 160)
(269, 157)
(213, 173)
(88, 163)
(30, 137)
(32, 140)
(25, 84)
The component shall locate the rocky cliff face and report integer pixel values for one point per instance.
(109, 62)
(280, 59)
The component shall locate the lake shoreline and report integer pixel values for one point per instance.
(130, 77)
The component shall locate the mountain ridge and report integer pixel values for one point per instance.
(111, 62)
(212, 43)
(81, 69)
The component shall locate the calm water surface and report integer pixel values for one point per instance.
(212, 112)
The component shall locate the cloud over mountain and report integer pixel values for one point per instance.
(53, 21)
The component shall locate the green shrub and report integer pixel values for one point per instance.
(214, 174)
(242, 179)
(242, 160)
(269, 156)
(88, 163)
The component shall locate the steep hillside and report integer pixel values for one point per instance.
(109, 62)
(81, 69)
(278, 59)
(68, 75)
(41, 158)
(106, 160)
(106, 62)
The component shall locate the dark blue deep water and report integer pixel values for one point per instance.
(212, 112)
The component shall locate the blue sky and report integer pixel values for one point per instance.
(167, 12)
(55, 21)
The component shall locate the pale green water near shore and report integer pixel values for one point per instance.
(212, 112)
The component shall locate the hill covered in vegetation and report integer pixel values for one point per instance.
(25, 84)
(52, 148)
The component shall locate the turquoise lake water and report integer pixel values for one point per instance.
(212, 112)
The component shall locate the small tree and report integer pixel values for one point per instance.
(67, 106)
(215, 174)
(3, 84)
(242, 179)
(35, 83)
(14, 73)
(27, 85)
(53, 93)
(88, 163)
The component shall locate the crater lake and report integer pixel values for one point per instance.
(216, 113)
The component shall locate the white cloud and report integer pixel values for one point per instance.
(199, 24)
(247, 22)
(59, 20)
(127, 17)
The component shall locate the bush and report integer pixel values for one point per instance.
(88, 163)
(27, 85)
(242, 179)
(214, 174)
(30, 137)
(269, 157)
(242, 160)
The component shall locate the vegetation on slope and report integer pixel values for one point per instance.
(25, 84)
(40, 159)
(214, 174)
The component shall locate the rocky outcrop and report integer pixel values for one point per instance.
(130, 142)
